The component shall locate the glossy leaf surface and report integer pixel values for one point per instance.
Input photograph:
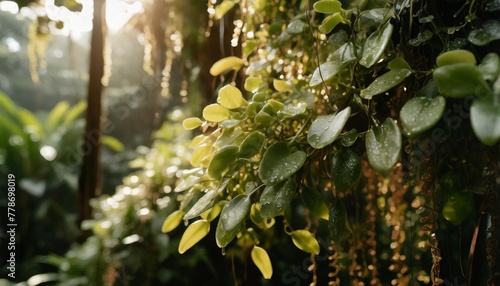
(421, 113)
(325, 129)
(278, 163)
(383, 145)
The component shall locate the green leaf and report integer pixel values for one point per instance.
(224, 237)
(6, 104)
(455, 56)
(490, 31)
(419, 114)
(485, 120)
(262, 261)
(383, 145)
(215, 113)
(75, 112)
(458, 207)
(372, 18)
(202, 204)
(330, 22)
(252, 144)
(56, 115)
(421, 38)
(339, 59)
(385, 82)
(172, 221)
(398, 63)
(278, 163)
(234, 212)
(337, 220)
(314, 201)
(193, 234)
(375, 45)
(325, 129)
(305, 241)
(113, 143)
(460, 80)
(327, 6)
(490, 66)
(230, 97)
(221, 161)
(275, 199)
(346, 170)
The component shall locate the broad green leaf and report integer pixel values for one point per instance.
(252, 144)
(263, 118)
(337, 220)
(225, 64)
(314, 201)
(113, 143)
(458, 207)
(194, 233)
(348, 138)
(375, 45)
(385, 82)
(325, 129)
(383, 145)
(215, 113)
(419, 114)
(490, 66)
(56, 115)
(262, 261)
(485, 120)
(76, 111)
(230, 97)
(202, 204)
(327, 6)
(172, 221)
(339, 59)
(398, 63)
(275, 199)
(221, 161)
(490, 31)
(346, 170)
(330, 22)
(293, 109)
(224, 237)
(281, 85)
(191, 123)
(305, 241)
(278, 163)
(455, 56)
(228, 137)
(460, 80)
(273, 106)
(6, 104)
(372, 18)
(252, 83)
(234, 212)
(421, 38)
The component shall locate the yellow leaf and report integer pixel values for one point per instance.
(230, 97)
(281, 85)
(191, 123)
(225, 64)
(172, 221)
(194, 233)
(262, 261)
(305, 241)
(215, 113)
(252, 83)
(200, 153)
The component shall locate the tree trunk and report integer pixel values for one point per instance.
(90, 176)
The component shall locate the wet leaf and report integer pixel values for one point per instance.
(193, 234)
(224, 237)
(398, 63)
(419, 114)
(275, 199)
(305, 241)
(230, 97)
(375, 45)
(490, 31)
(458, 207)
(325, 129)
(383, 145)
(385, 82)
(234, 212)
(346, 170)
(421, 38)
(221, 161)
(339, 59)
(337, 220)
(348, 138)
(172, 221)
(371, 18)
(215, 113)
(278, 163)
(252, 144)
(202, 204)
(460, 80)
(485, 120)
(314, 201)
(262, 261)
(490, 67)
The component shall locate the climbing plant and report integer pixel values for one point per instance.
(375, 121)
